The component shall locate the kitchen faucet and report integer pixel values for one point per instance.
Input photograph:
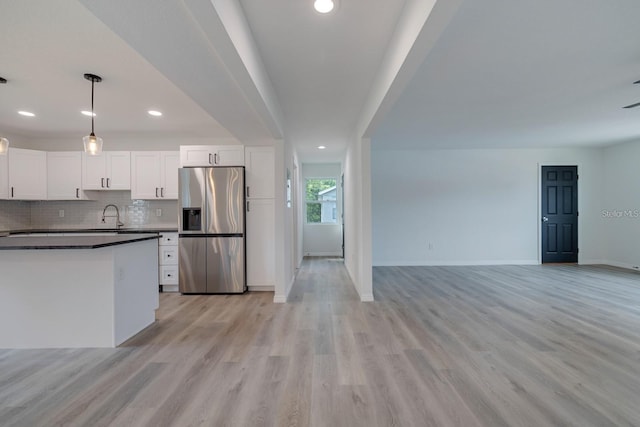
(117, 215)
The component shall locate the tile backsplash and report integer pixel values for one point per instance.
(88, 213)
(14, 215)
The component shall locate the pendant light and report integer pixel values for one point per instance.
(92, 143)
(4, 142)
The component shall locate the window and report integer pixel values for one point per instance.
(321, 200)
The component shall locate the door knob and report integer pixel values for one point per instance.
(545, 219)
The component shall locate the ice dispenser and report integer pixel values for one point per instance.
(191, 219)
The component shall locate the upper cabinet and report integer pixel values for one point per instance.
(4, 177)
(64, 175)
(260, 172)
(27, 174)
(110, 170)
(211, 155)
(154, 174)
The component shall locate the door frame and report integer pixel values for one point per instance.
(578, 166)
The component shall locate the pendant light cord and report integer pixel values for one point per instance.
(92, 114)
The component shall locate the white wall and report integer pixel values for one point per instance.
(357, 216)
(322, 239)
(465, 207)
(621, 205)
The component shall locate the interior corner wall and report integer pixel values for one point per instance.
(621, 205)
(474, 207)
(357, 216)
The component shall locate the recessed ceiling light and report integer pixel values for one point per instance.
(323, 6)
(154, 113)
(321, 147)
(26, 114)
(88, 113)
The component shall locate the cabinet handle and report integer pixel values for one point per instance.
(215, 158)
(168, 255)
(248, 191)
(168, 275)
(108, 184)
(161, 191)
(77, 193)
(12, 192)
(248, 206)
(102, 182)
(210, 159)
(156, 192)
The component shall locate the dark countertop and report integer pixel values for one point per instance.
(72, 242)
(123, 230)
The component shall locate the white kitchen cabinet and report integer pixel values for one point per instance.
(211, 155)
(260, 244)
(154, 174)
(168, 262)
(4, 177)
(64, 175)
(110, 170)
(27, 174)
(260, 172)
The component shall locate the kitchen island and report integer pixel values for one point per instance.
(76, 291)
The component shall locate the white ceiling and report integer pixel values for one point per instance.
(500, 74)
(48, 46)
(524, 74)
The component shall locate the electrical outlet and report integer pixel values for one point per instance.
(61, 213)
(430, 246)
(158, 212)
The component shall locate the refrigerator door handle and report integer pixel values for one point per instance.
(210, 159)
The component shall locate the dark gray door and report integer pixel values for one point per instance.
(559, 214)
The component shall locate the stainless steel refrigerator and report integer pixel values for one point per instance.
(211, 246)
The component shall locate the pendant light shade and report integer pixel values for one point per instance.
(92, 143)
(4, 146)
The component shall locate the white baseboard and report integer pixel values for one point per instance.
(366, 298)
(621, 265)
(323, 254)
(169, 288)
(279, 299)
(261, 288)
(402, 263)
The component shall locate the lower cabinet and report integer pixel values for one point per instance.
(260, 244)
(168, 262)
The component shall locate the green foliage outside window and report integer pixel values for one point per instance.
(315, 200)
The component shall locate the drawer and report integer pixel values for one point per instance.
(169, 275)
(168, 255)
(168, 239)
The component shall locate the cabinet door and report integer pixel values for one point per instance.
(170, 161)
(64, 175)
(260, 172)
(145, 175)
(4, 177)
(119, 170)
(94, 172)
(196, 155)
(27, 174)
(229, 155)
(260, 240)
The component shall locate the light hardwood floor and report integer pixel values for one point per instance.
(546, 345)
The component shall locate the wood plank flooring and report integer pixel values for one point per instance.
(553, 345)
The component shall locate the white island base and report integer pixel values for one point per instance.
(59, 298)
